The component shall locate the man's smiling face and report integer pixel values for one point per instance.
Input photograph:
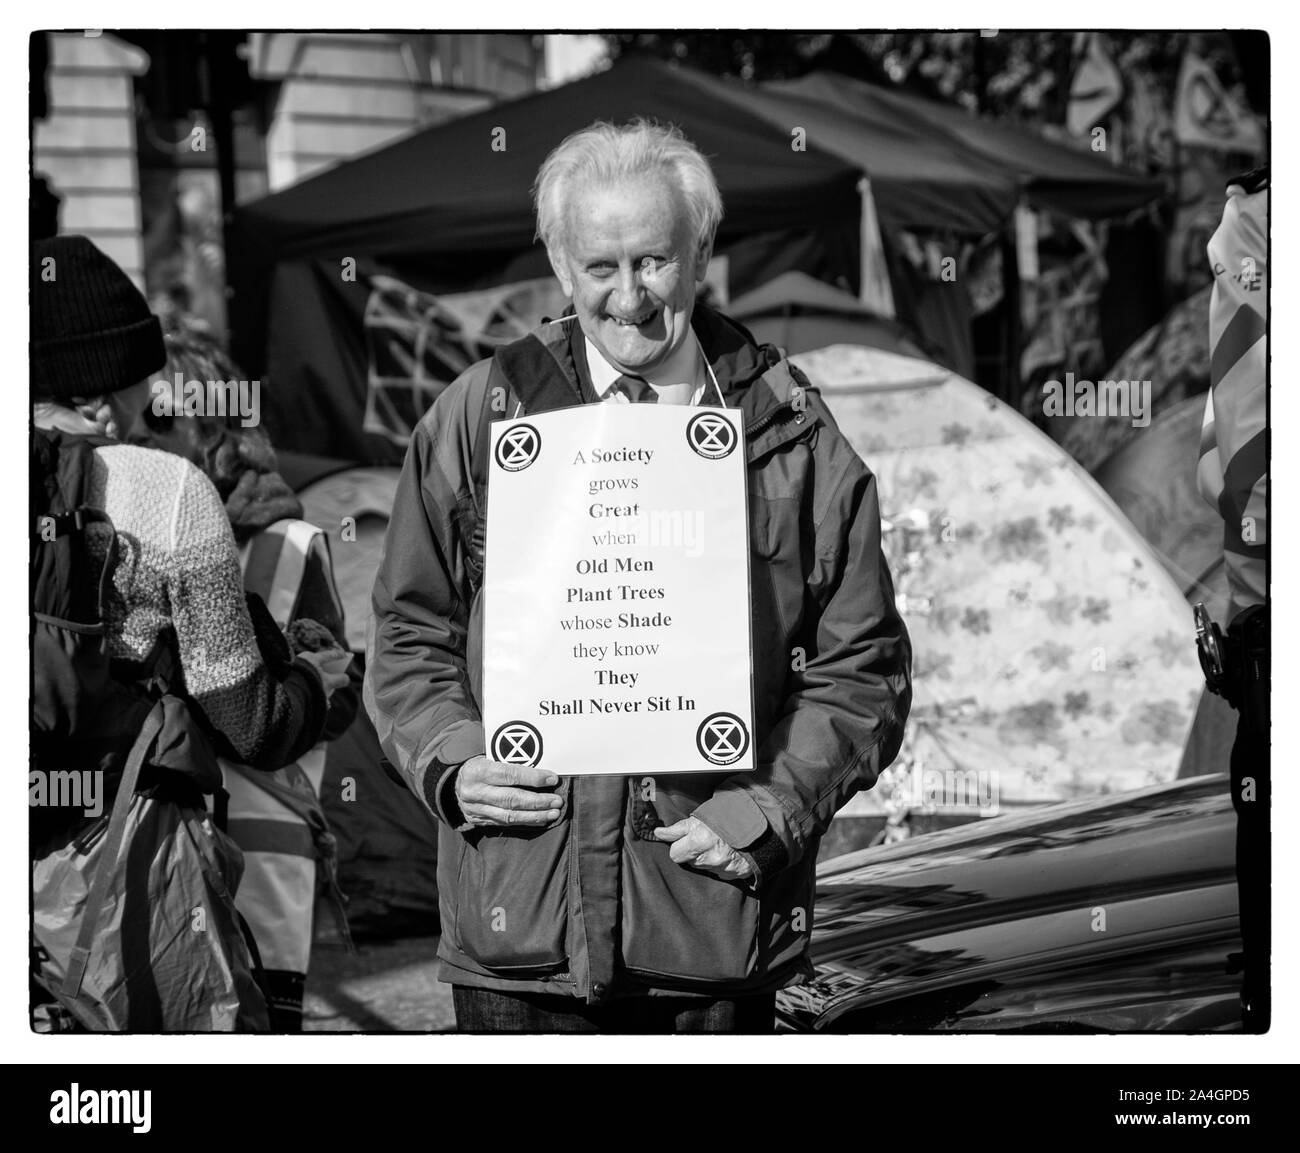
(631, 262)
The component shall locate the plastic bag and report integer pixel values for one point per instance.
(168, 953)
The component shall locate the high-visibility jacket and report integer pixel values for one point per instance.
(1232, 473)
(276, 818)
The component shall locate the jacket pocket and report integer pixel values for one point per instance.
(681, 924)
(511, 908)
(674, 795)
(777, 590)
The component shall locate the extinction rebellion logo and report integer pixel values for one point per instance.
(517, 743)
(722, 738)
(518, 447)
(711, 436)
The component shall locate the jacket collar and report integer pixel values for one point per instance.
(542, 371)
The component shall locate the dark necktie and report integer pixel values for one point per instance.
(636, 390)
(645, 818)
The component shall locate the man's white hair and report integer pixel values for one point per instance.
(604, 153)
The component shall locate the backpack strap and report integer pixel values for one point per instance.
(75, 521)
(542, 376)
(541, 379)
(80, 955)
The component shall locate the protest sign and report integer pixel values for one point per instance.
(616, 616)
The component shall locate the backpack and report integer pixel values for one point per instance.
(111, 891)
(78, 711)
(88, 711)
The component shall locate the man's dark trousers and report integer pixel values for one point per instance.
(490, 1011)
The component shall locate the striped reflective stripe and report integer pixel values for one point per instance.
(267, 815)
(259, 558)
(299, 536)
(1246, 327)
(271, 836)
(1209, 471)
(1239, 405)
(274, 562)
(1232, 471)
(1243, 474)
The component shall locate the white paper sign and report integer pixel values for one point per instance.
(616, 617)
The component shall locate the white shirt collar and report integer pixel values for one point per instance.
(681, 379)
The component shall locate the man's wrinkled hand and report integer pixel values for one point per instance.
(492, 794)
(696, 845)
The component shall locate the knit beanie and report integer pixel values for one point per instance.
(92, 331)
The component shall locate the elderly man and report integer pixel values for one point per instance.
(592, 903)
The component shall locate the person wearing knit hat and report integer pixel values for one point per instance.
(174, 569)
(92, 331)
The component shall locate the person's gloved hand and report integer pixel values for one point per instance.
(313, 642)
(309, 636)
(332, 667)
(696, 845)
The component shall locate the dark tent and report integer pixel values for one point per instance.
(957, 174)
(443, 210)
(1153, 480)
(336, 280)
(1174, 355)
(387, 842)
(446, 192)
(1051, 176)
(797, 313)
(918, 179)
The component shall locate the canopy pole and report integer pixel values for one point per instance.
(874, 289)
(1011, 331)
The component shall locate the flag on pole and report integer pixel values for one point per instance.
(1207, 116)
(1096, 89)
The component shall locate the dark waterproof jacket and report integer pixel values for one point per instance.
(589, 907)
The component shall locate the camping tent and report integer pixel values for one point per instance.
(325, 271)
(1050, 644)
(448, 209)
(967, 182)
(1049, 175)
(387, 842)
(1174, 356)
(1051, 654)
(797, 313)
(1153, 481)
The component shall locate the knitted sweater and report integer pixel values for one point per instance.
(178, 567)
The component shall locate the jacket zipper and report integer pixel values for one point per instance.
(780, 412)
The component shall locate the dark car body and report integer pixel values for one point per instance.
(1116, 914)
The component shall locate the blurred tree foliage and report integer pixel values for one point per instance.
(1011, 75)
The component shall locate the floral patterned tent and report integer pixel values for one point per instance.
(1053, 654)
